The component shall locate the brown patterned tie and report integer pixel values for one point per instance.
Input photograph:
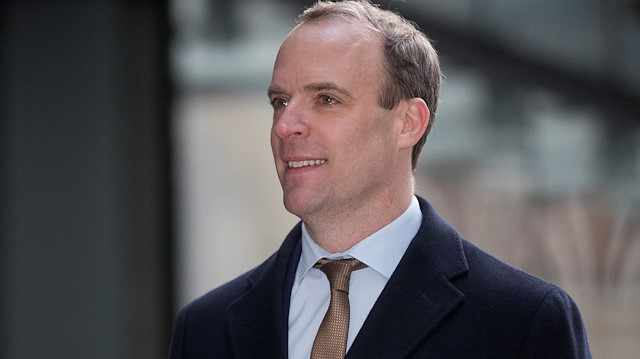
(331, 340)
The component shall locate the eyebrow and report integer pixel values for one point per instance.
(327, 86)
(312, 87)
(273, 89)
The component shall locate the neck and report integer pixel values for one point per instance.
(338, 230)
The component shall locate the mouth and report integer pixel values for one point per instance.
(305, 163)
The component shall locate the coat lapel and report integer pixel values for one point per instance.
(258, 320)
(418, 296)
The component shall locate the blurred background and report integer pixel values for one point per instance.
(136, 172)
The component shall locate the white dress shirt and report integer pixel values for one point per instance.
(311, 294)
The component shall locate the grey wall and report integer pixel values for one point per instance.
(84, 180)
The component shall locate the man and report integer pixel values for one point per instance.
(354, 93)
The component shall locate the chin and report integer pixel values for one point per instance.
(298, 205)
(293, 207)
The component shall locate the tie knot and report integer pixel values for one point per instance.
(338, 271)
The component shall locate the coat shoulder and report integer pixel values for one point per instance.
(534, 317)
(219, 299)
(201, 328)
(492, 275)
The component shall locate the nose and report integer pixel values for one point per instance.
(290, 122)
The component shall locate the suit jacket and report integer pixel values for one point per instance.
(446, 299)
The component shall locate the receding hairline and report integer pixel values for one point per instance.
(339, 18)
(365, 34)
(363, 27)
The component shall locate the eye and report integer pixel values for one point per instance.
(327, 100)
(278, 103)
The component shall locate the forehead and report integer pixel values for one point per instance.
(330, 51)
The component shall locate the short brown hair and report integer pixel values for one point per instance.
(412, 66)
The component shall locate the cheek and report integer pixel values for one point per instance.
(377, 135)
(359, 149)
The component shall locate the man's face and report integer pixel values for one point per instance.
(334, 146)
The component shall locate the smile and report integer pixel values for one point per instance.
(298, 164)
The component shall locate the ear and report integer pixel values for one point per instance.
(415, 121)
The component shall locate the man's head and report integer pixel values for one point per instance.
(411, 66)
(347, 121)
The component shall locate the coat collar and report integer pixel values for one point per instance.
(419, 295)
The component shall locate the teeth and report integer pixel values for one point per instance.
(298, 164)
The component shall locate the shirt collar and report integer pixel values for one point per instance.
(381, 251)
